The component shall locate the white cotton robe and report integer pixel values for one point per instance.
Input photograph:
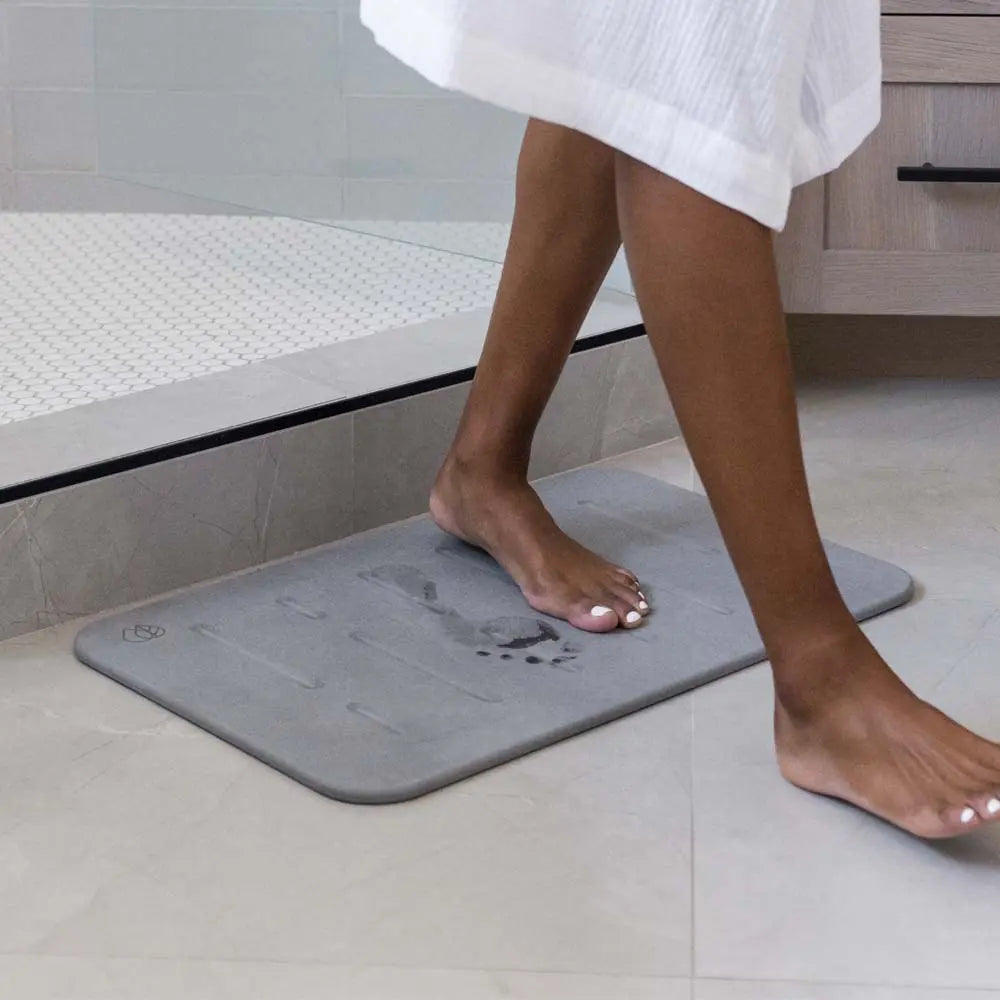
(740, 99)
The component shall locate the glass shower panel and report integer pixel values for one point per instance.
(290, 109)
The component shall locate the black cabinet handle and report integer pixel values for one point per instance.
(950, 175)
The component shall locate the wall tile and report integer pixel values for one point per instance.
(296, 195)
(398, 449)
(396, 357)
(429, 200)
(121, 539)
(571, 429)
(312, 497)
(442, 138)
(211, 4)
(98, 545)
(125, 425)
(217, 50)
(82, 192)
(21, 586)
(370, 70)
(4, 50)
(51, 46)
(6, 130)
(639, 412)
(54, 130)
(220, 133)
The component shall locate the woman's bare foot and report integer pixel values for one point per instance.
(854, 731)
(559, 577)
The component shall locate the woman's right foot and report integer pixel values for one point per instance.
(557, 576)
(854, 731)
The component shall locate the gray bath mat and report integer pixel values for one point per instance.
(392, 663)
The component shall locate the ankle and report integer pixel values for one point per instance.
(471, 465)
(824, 669)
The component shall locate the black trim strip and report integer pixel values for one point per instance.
(270, 425)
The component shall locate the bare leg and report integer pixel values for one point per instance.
(846, 725)
(564, 239)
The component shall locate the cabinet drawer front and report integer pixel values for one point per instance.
(868, 208)
(941, 6)
(941, 49)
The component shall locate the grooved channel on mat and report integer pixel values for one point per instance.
(393, 663)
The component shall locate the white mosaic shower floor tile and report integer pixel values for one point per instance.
(100, 305)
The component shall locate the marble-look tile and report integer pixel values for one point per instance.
(55, 130)
(639, 412)
(51, 48)
(437, 347)
(719, 989)
(612, 310)
(39, 677)
(573, 860)
(311, 500)
(4, 56)
(43, 977)
(6, 176)
(21, 595)
(117, 540)
(669, 461)
(429, 200)
(144, 857)
(571, 429)
(834, 895)
(6, 119)
(125, 425)
(398, 448)
(431, 138)
(125, 538)
(823, 880)
(173, 131)
(84, 192)
(393, 358)
(66, 850)
(176, 49)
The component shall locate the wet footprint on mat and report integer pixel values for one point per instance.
(498, 636)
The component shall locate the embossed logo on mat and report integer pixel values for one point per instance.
(143, 633)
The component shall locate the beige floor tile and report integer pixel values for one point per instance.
(139, 856)
(43, 977)
(730, 990)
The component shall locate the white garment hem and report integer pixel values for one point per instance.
(756, 184)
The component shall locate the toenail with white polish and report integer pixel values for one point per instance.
(993, 807)
(968, 815)
(643, 606)
(600, 611)
(632, 617)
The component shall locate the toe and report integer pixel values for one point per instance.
(987, 806)
(628, 614)
(590, 617)
(633, 619)
(960, 819)
(631, 600)
(945, 821)
(627, 577)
